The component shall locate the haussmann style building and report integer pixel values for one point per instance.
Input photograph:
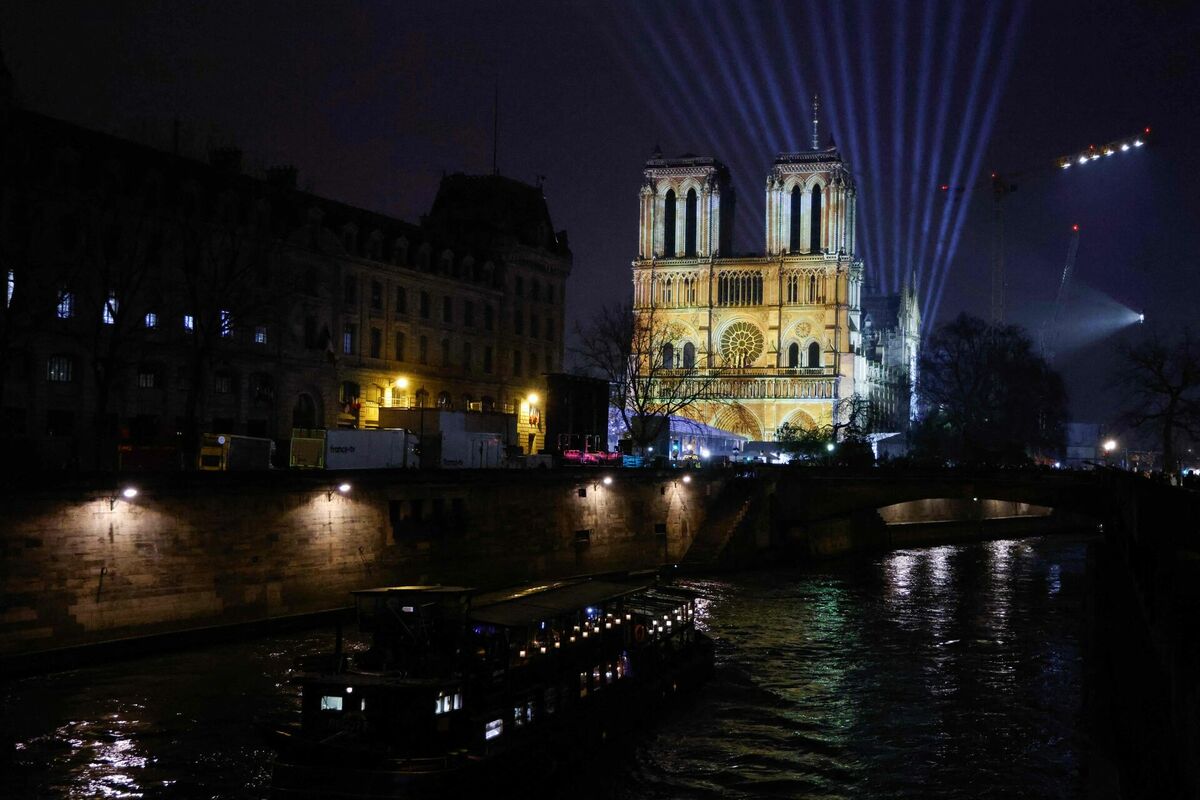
(151, 295)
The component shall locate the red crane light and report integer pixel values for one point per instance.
(1075, 227)
(945, 187)
(1147, 129)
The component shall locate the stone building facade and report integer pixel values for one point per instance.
(778, 337)
(150, 297)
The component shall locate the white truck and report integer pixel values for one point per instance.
(370, 449)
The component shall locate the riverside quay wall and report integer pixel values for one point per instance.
(82, 563)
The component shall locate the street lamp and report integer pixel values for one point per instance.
(1110, 446)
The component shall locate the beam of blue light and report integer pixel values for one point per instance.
(727, 138)
(917, 200)
(848, 120)
(798, 86)
(935, 165)
(870, 200)
(836, 103)
(779, 104)
(966, 132)
(727, 141)
(734, 55)
(1001, 77)
(898, 74)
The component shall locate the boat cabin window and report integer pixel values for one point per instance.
(448, 701)
(331, 702)
(493, 729)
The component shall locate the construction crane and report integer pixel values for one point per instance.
(1004, 184)
(1050, 334)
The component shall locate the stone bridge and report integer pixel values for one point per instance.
(1142, 639)
(828, 512)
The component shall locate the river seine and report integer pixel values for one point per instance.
(944, 672)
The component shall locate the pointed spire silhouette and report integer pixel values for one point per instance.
(816, 137)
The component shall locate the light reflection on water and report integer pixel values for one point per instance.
(932, 673)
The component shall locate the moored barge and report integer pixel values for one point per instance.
(461, 685)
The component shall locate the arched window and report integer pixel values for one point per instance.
(668, 355)
(794, 355)
(422, 398)
(812, 288)
(689, 355)
(689, 225)
(666, 291)
(304, 413)
(814, 355)
(815, 234)
(444, 400)
(669, 224)
(797, 199)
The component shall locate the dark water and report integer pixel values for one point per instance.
(943, 672)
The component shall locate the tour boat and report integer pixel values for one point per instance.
(460, 685)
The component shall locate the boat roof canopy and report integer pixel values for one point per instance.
(529, 605)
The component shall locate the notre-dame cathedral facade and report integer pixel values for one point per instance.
(780, 338)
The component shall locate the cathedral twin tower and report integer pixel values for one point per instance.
(779, 336)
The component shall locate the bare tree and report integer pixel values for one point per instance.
(650, 376)
(232, 281)
(1161, 379)
(122, 244)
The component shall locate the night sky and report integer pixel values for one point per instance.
(373, 101)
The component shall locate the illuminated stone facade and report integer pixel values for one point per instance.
(780, 333)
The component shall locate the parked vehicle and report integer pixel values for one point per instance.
(227, 451)
(370, 449)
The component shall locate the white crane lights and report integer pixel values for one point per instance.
(1095, 153)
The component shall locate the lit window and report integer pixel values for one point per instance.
(223, 383)
(189, 322)
(146, 379)
(331, 702)
(110, 309)
(151, 319)
(226, 323)
(493, 729)
(66, 304)
(11, 287)
(59, 369)
(348, 339)
(260, 334)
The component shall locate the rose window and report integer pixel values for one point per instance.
(741, 344)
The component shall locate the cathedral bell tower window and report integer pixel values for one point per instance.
(689, 236)
(815, 235)
(797, 199)
(669, 224)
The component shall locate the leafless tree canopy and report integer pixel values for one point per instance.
(1161, 379)
(631, 351)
